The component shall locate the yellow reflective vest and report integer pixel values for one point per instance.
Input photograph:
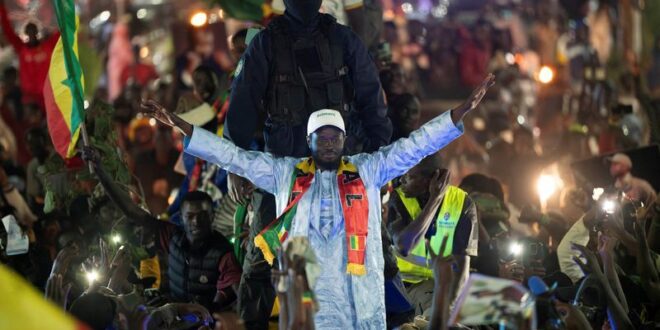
(416, 267)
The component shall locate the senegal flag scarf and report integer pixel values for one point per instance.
(354, 204)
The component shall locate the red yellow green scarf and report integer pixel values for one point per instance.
(354, 203)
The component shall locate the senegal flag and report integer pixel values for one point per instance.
(63, 91)
(23, 307)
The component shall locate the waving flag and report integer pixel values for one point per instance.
(24, 307)
(63, 91)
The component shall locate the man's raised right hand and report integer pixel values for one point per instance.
(156, 110)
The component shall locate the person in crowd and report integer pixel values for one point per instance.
(488, 197)
(200, 52)
(360, 15)
(8, 144)
(201, 266)
(475, 53)
(200, 175)
(425, 207)
(33, 55)
(41, 148)
(634, 188)
(13, 198)
(404, 108)
(349, 257)
(152, 145)
(139, 72)
(338, 76)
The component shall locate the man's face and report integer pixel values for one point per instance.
(203, 42)
(618, 169)
(144, 135)
(31, 31)
(414, 183)
(197, 218)
(108, 215)
(51, 232)
(326, 144)
(408, 118)
(203, 85)
(304, 10)
(37, 145)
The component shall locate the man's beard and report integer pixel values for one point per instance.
(334, 164)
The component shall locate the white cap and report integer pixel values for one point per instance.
(325, 117)
(620, 159)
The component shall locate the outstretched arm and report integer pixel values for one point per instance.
(257, 167)
(116, 194)
(397, 158)
(7, 29)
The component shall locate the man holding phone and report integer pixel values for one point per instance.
(425, 207)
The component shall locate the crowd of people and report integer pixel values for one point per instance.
(306, 178)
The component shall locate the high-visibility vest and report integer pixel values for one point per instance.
(416, 267)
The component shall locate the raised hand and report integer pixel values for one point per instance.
(475, 98)
(606, 245)
(90, 154)
(592, 266)
(63, 260)
(156, 110)
(57, 291)
(120, 268)
(444, 268)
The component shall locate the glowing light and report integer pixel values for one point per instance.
(521, 119)
(104, 16)
(516, 248)
(92, 276)
(609, 206)
(407, 7)
(116, 238)
(479, 124)
(546, 186)
(152, 121)
(86, 104)
(142, 13)
(198, 19)
(439, 11)
(597, 192)
(509, 58)
(144, 52)
(546, 75)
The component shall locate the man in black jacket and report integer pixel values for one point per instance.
(201, 267)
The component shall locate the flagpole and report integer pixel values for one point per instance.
(85, 139)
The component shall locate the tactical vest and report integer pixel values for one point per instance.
(307, 73)
(193, 275)
(416, 267)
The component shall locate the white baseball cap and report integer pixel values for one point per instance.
(620, 159)
(325, 117)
